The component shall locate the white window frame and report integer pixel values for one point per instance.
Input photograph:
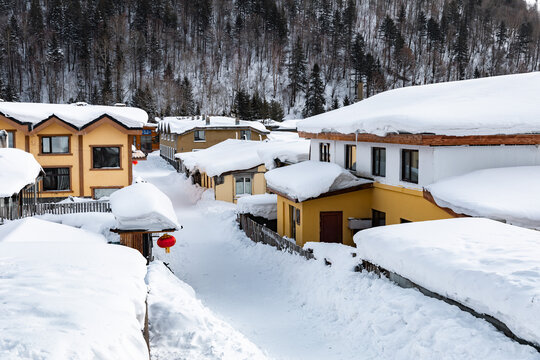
(243, 177)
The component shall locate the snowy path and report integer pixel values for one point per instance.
(297, 309)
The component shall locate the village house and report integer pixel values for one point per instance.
(148, 140)
(235, 168)
(85, 150)
(406, 139)
(184, 134)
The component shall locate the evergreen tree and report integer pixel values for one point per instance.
(346, 101)
(242, 106)
(335, 103)
(36, 19)
(106, 89)
(315, 94)
(461, 50)
(55, 17)
(187, 106)
(276, 111)
(297, 70)
(501, 34)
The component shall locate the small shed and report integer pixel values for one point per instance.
(142, 210)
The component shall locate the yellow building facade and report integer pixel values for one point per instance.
(81, 167)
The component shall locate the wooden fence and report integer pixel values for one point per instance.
(13, 212)
(260, 233)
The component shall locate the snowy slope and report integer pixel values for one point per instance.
(488, 106)
(488, 266)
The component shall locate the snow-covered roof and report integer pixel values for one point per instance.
(17, 169)
(510, 194)
(181, 125)
(66, 295)
(488, 106)
(78, 115)
(310, 179)
(234, 155)
(486, 265)
(142, 206)
(263, 205)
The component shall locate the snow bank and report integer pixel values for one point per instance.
(488, 106)
(310, 179)
(180, 125)
(337, 255)
(283, 135)
(488, 266)
(181, 327)
(17, 169)
(78, 115)
(75, 298)
(233, 155)
(142, 206)
(510, 194)
(96, 222)
(263, 205)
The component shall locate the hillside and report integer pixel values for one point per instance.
(213, 56)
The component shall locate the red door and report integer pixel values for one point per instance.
(332, 227)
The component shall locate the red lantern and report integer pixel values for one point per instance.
(166, 241)
(135, 162)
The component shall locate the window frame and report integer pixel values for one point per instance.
(92, 147)
(46, 168)
(324, 152)
(350, 153)
(245, 132)
(407, 173)
(11, 133)
(94, 188)
(376, 168)
(41, 139)
(197, 137)
(376, 218)
(243, 177)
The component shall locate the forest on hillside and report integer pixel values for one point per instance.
(256, 58)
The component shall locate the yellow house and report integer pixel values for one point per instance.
(393, 141)
(235, 168)
(184, 134)
(85, 150)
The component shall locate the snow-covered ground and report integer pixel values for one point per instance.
(291, 308)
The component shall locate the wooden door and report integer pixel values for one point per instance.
(332, 227)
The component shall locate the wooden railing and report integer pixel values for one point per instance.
(13, 212)
(260, 233)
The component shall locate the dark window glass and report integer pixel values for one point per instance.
(199, 135)
(293, 221)
(106, 157)
(324, 152)
(55, 144)
(378, 161)
(378, 218)
(146, 143)
(245, 134)
(56, 179)
(10, 139)
(409, 165)
(350, 157)
(404, 221)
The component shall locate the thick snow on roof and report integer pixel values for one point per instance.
(142, 206)
(79, 114)
(310, 179)
(180, 125)
(486, 265)
(264, 205)
(488, 106)
(17, 169)
(233, 155)
(77, 299)
(511, 194)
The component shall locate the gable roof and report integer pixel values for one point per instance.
(182, 125)
(500, 105)
(77, 116)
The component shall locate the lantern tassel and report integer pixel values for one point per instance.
(167, 250)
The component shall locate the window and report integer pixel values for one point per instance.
(378, 161)
(324, 152)
(378, 218)
(409, 166)
(105, 157)
(294, 219)
(103, 192)
(56, 179)
(146, 143)
(243, 185)
(55, 144)
(245, 134)
(199, 135)
(11, 139)
(350, 157)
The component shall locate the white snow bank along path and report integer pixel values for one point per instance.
(79, 299)
(142, 206)
(17, 169)
(181, 327)
(511, 194)
(78, 115)
(488, 106)
(310, 179)
(263, 205)
(491, 267)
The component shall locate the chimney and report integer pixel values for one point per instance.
(207, 119)
(236, 121)
(3, 139)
